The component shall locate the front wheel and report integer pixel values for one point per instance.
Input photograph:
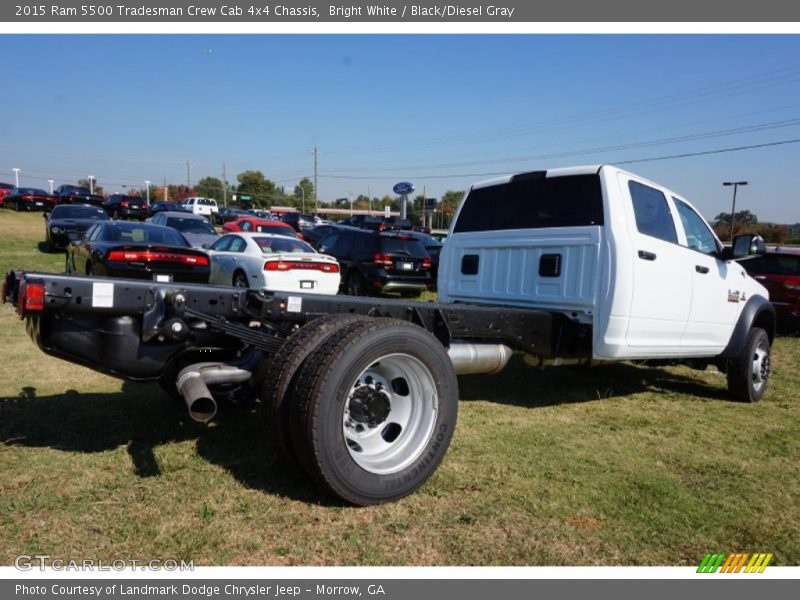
(374, 411)
(748, 373)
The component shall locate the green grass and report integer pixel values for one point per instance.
(619, 465)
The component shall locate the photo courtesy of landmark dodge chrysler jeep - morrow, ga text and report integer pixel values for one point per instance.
(567, 265)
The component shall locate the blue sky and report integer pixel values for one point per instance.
(440, 111)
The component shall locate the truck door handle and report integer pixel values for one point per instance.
(644, 255)
(701, 269)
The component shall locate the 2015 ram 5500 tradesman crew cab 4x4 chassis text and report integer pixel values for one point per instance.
(588, 263)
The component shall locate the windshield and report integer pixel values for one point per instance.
(31, 192)
(152, 234)
(277, 230)
(271, 245)
(188, 225)
(66, 211)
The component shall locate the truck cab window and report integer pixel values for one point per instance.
(652, 212)
(698, 234)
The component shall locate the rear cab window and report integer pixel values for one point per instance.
(533, 201)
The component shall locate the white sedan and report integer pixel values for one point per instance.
(272, 262)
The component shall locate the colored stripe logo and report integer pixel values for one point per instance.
(740, 562)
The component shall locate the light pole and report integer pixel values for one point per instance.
(735, 185)
(51, 182)
(147, 188)
(16, 176)
(91, 184)
(303, 190)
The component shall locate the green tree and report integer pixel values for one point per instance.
(304, 192)
(210, 187)
(449, 204)
(263, 191)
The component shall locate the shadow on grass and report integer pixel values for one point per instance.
(42, 247)
(142, 417)
(521, 385)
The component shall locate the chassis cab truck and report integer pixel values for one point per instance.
(582, 264)
(627, 258)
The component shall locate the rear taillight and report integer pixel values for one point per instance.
(292, 265)
(150, 256)
(792, 283)
(124, 203)
(383, 260)
(426, 263)
(31, 298)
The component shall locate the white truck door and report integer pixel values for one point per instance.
(717, 286)
(662, 282)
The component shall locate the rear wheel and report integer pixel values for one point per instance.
(748, 373)
(375, 409)
(279, 376)
(240, 280)
(89, 269)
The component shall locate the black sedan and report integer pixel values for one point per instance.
(22, 198)
(75, 194)
(137, 251)
(120, 206)
(68, 222)
(230, 214)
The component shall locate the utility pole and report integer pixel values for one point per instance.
(147, 189)
(369, 199)
(316, 194)
(165, 188)
(224, 185)
(735, 185)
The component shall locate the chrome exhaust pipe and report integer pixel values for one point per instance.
(193, 382)
(472, 359)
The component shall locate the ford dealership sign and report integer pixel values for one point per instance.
(403, 188)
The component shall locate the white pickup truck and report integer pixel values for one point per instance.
(583, 264)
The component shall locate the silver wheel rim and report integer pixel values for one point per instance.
(761, 366)
(390, 414)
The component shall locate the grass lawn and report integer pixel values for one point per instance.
(618, 465)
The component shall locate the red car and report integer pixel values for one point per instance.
(779, 271)
(5, 188)
(29, 199)
(262, 226)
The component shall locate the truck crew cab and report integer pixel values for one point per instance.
(582, 264)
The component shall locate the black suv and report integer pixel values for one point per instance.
(120, 206)
(375, 262)
(365, 222)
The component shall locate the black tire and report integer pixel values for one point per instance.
(115, 215)
(240, 280)
(354, 284)
(748, 373)
(16, 206)
(328, 414)
(89, 269)
(277, 381)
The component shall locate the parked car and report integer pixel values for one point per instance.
(314, 235)
(75, 194)
(68, 222)
(374, 262)
(229, 213)
(273, 262)
(299, 221)
(5, 188)
(365, 222)
(262, 226)
(261, 213)
(24, 198)
(137, 251)
(398, 223)
(432, 246)
(157, 207)
(779, 271)
(120, 206)
(202, 206)
(195, 228)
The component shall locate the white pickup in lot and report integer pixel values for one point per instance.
(201, 206)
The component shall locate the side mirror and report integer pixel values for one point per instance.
(748, 245)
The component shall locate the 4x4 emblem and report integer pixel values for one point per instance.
(734, 296)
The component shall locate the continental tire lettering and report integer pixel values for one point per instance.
(396, 482)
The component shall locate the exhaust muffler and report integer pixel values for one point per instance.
(473, 359)
(193, 382)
